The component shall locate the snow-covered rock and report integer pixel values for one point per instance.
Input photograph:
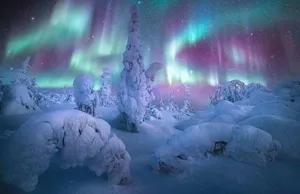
(232, 91)
(85, 97)
(133, 97)
(17, 99)
(224, 111)
(286, 131)
(80, 139)
(242, 143)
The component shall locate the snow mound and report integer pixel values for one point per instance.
(286, 131)
(276, 108)
(17, 99)
(231, 91)
(256, 97)
(81, 139)
(225, 112)
(242, 143)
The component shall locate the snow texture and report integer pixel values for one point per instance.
(80, 139)
(133, 97)
(105, 97)
(224, 111)
(85, 97)
(242, 143)
(232, 91)
(17, 99)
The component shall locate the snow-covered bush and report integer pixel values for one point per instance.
(232, 91)
(80, 139)
(171, 106)
(153, 112)
(105, 97)
(17, 99)
(250, 88)
(85, 97)
(21, 76)
(242, 143)
(133, 97)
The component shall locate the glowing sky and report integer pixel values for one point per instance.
(199, 41)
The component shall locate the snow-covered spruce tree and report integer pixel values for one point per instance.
(105, 98)
(85, 97)
(161, 105)
(21, 76)
(150, 76)
(185, 110)
(171, 104)
(132, 96)
(231, 91)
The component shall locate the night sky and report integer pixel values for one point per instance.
(201, 42)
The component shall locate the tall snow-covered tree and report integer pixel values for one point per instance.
(133, 97)
(105, 98)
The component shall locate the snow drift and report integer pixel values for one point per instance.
(242, 143)
(17, 99)
(286, 131)
(224, 111)
(80, 139)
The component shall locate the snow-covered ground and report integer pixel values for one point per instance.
(277, 117)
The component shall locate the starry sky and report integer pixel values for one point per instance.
(201, 42)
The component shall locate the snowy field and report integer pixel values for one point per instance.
(219, 174)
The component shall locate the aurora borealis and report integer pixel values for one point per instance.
(199, 41)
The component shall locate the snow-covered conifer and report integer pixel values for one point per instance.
(85, 97)
(232, 91)
(133, 97)
(254, 87)
(105, 98)
(187, 99)
(171, 104)
(21, 76)
(161, 105)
